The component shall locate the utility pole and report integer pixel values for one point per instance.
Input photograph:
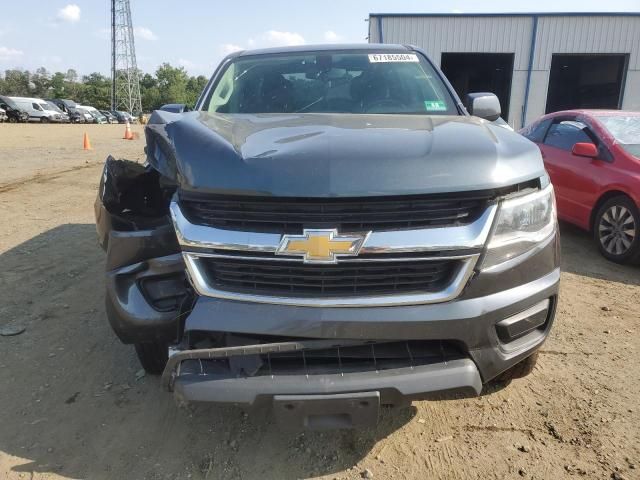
(125, 82)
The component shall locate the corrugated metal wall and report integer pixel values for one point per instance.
(512, 34)
(461, 34)
(587, 35)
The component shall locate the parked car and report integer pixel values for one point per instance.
(3, 115)
(95, 114)
(63, 104)
(124, 117)
(77, 117)
(86, 115)
(14, 113)
(120, 116)
(70, 108)
(330, 231)
(100, 118)
(593, 158)
(55, 108)
(111, 118)
(130, 118)
(38, 110)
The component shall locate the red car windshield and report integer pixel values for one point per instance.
(626, 131)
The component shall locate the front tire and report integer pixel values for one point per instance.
(153, 356)
(616, 230)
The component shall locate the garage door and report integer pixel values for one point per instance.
(586, 81)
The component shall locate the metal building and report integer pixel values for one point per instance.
(536, 63)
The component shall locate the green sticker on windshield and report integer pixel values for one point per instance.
(435, 106)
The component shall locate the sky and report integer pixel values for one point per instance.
(197, 34)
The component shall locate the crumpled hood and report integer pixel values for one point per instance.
(319, 155)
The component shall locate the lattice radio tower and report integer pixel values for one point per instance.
(125, 82)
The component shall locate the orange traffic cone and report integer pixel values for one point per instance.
(128, 135)
(86, 144)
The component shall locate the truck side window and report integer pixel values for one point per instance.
(36, 106)
(564, 135)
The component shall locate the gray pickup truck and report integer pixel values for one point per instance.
(330, 231)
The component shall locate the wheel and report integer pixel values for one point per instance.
(617, 230)
(13, 120)
(44, 119)
(519, 370)
(153, 356)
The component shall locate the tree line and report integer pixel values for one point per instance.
(167, 85)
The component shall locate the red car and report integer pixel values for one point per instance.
(593, 159)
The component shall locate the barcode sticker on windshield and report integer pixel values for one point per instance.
(392, 57)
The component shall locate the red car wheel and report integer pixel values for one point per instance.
(617, 230)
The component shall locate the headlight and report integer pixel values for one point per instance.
(521, 224)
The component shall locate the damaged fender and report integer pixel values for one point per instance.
(146, 282)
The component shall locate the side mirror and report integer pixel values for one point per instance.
(585, 149)
(484, 105)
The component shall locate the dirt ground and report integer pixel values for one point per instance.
(72, 406)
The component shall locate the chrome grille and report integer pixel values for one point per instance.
(398, 267)
(266, 214)
(297, 279)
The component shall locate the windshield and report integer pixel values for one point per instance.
(626, 131)
(10, 103)
(54, 107)
(331, 82)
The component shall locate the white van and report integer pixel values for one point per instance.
(38, 110)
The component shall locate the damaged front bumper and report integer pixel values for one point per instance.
(321, 383)
(420, 353)
(203, 374)
(313, 366)
(405, 353)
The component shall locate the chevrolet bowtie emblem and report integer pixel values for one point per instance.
(321, 246)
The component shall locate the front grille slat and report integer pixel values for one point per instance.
(289, 280)
(275, 215)
(345, 279)
(335, 278)
(338, 270)
(446, 211)
(317, 218)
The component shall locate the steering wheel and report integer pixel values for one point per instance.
(386, 105)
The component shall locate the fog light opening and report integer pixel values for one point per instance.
(519, 325)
